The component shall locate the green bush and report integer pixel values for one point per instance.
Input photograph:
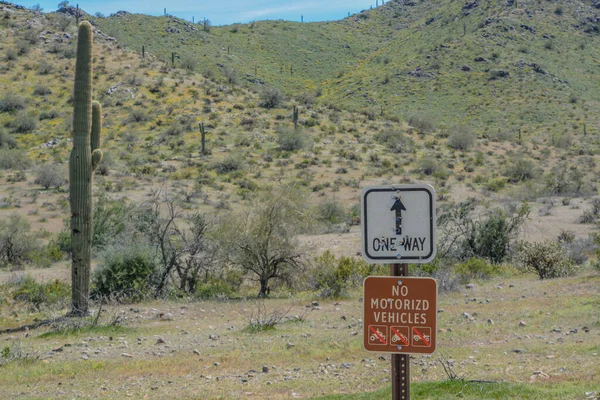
(492, 237)
(230, 163)
(334, 276)
(548, 259)
(18, 244)
(39, 294)
(396, 140)
(564, 179)
(23, 122)
(7, 141)
(520, 169)
(270, 97)
(462, 235)
(461, 138)
(127, 272)
(11, 102)
(495, 184)
(476, 268)
(291, 139)
(214, 289)
(110, 218)
(422, 124)
(332, 212)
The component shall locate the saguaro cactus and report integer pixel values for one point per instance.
(295, 117)
(85, 157)
(203, 132)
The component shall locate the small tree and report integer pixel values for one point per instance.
(262, 240)
(49, 176)
(183, 253)
(462, 234)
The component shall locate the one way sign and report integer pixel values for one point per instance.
(398, 223)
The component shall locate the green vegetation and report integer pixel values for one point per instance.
(410, 60)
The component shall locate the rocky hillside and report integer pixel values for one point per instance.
(496, 66)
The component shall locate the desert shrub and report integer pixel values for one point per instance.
(421, 124)
(334, 276)
(18, 244)
(14, 159)
(174, 130)
(590, 216)
(395, 140)
(231, 75)
(188, 63)
(27, 289)
(563, 141)
(270, 97)
(461, 138)
(520, 169)
(41, 90)
(127, 272)
(16, 352)
(11, 102)
(51, 114)
(23, 122)
(138, 115)
(44, 67)
(578, 249)
(492, 237)
(50, 175)
(332, 212)
(476, 268)
(109, 220)
(563, 179)
(548, 259)
(32, 36)
(462, 235)
(214, 289)
(230, 163)
(429, 166)
(11, 54)
(7, 141)
(23, 47)
(495, 184)
(290, 139)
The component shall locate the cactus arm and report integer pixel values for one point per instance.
(96, 132)
(96, 158)
(96, 125)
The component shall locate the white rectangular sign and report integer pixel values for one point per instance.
(398, 223)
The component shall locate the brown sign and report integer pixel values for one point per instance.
(400, 314)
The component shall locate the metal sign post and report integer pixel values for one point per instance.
(400, 362)
(400, 315)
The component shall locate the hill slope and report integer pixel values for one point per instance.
(496, 66)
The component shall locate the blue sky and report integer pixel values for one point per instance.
(225, 12)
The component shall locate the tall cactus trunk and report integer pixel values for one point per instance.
(84, 158)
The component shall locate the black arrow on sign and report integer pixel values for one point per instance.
(398, 207)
